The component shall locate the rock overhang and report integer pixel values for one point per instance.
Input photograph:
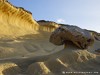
(80, 37)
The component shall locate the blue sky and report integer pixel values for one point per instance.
(82, 13)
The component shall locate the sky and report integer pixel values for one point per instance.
(82, 13)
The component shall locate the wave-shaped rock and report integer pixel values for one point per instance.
(15, 21)
(78, 36)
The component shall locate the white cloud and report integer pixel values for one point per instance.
(61, 20)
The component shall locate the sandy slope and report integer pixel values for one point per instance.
(51, 62)
(27, 46)
(70, 59)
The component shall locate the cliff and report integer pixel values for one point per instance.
(15, 21)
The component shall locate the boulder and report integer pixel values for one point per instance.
(79, 37)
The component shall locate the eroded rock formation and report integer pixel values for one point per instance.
(15, 21)
(78, 36)
(48, 26)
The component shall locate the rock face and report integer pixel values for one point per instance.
(15, 21)
(48, 26)
(80, 37)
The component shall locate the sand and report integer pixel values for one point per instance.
(27, 46)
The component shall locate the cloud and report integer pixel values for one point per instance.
(61, 20)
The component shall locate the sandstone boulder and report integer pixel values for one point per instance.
(66, 33)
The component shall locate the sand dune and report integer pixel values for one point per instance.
(25, 48)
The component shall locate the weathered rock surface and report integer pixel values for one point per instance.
(48, 26)
(15, 21)
(80, 37)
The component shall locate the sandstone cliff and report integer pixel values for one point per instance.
(15, 21)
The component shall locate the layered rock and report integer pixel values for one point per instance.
(15, 21)
(48, 26)
(80, 37)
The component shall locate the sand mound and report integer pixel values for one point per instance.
(9, 69)
(67, 60)
(70, 59)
